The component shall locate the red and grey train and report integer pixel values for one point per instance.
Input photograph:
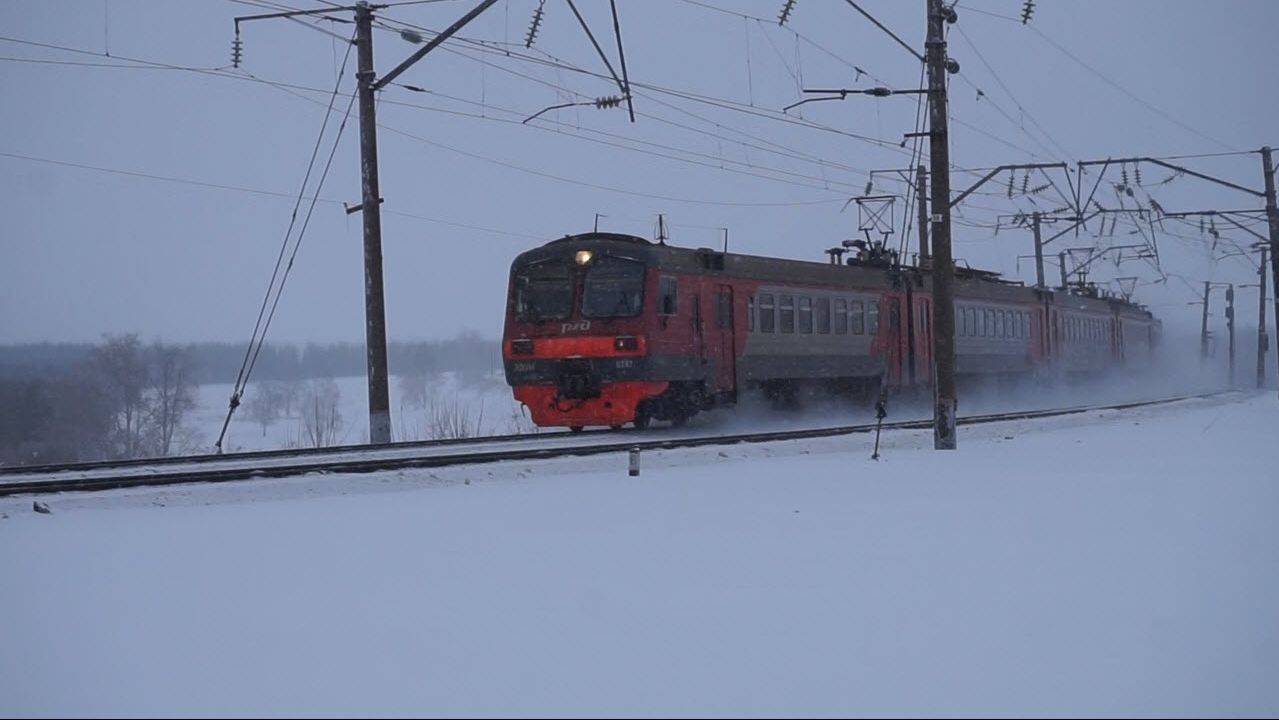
(605, 329)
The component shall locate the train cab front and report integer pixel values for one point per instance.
(574, 346)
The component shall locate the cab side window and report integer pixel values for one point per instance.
(667, 302)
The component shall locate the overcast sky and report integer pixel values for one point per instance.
(467, 186)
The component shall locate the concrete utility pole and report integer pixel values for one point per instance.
(1203, 326)
(921, 200)
(943, 263)
(1230, 328)
(1272, 214)
(1039, 251)
(1061, 264)
(374, 306)
(1262, 338)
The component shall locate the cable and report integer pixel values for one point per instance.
(1161, 113)
(255, 191)
(260, 327)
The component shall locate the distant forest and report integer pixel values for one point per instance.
(466, 354)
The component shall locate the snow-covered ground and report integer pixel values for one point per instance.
(1120, 563)
(488, 407)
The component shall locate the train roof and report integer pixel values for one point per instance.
(969, 282)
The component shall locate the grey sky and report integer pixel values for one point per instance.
(88, 252)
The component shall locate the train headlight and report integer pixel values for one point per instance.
(583, 256)
(626, 343)
(522, 347)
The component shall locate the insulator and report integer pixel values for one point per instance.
(786, 10)
(413, 36)
(237, 48)
(1041, 188)
(1123, 174)
(870, 185)
(610, 101)
(1010, 184)
(1027, 11)
(1136, 169)
(1201, 226)
(1025, 182)
(535, 24)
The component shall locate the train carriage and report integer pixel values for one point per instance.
(609, 329)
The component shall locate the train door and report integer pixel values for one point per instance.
(890, 339)
(721, 345)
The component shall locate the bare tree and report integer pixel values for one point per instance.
(450, 419)
(289, 393)
(265, 404)
(171, 395)
(321, 419)
(413, 390)
(119, 370)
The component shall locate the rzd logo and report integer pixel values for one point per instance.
(579, 326)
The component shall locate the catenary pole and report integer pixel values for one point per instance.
(374, 303)
(1039, 251)
(921, 200)
(1272, 215)
(943, 263)
(1262, 339)
(1203, 326)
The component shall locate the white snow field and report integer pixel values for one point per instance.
(1113, 563)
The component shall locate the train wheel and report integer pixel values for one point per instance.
(575, 428)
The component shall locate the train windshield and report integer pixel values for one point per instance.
(544, 291)
(614, 287)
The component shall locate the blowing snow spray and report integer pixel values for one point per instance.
(633, 470)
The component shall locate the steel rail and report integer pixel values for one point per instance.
(356, 465)
(288, 452)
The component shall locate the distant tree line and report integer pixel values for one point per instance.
(122, 399)
(467, 354)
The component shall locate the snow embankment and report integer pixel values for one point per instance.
(1114, 563)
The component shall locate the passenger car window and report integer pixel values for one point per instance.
(767, 318)
(841, 316)
(666, 298)
(872, 317)
(856, 314)
(786, 309)
(805, 315)
(822, 312)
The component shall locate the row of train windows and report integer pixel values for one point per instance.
(769, 313)
(1087, 330)
(986, 322)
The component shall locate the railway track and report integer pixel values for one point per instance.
(427, 454)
